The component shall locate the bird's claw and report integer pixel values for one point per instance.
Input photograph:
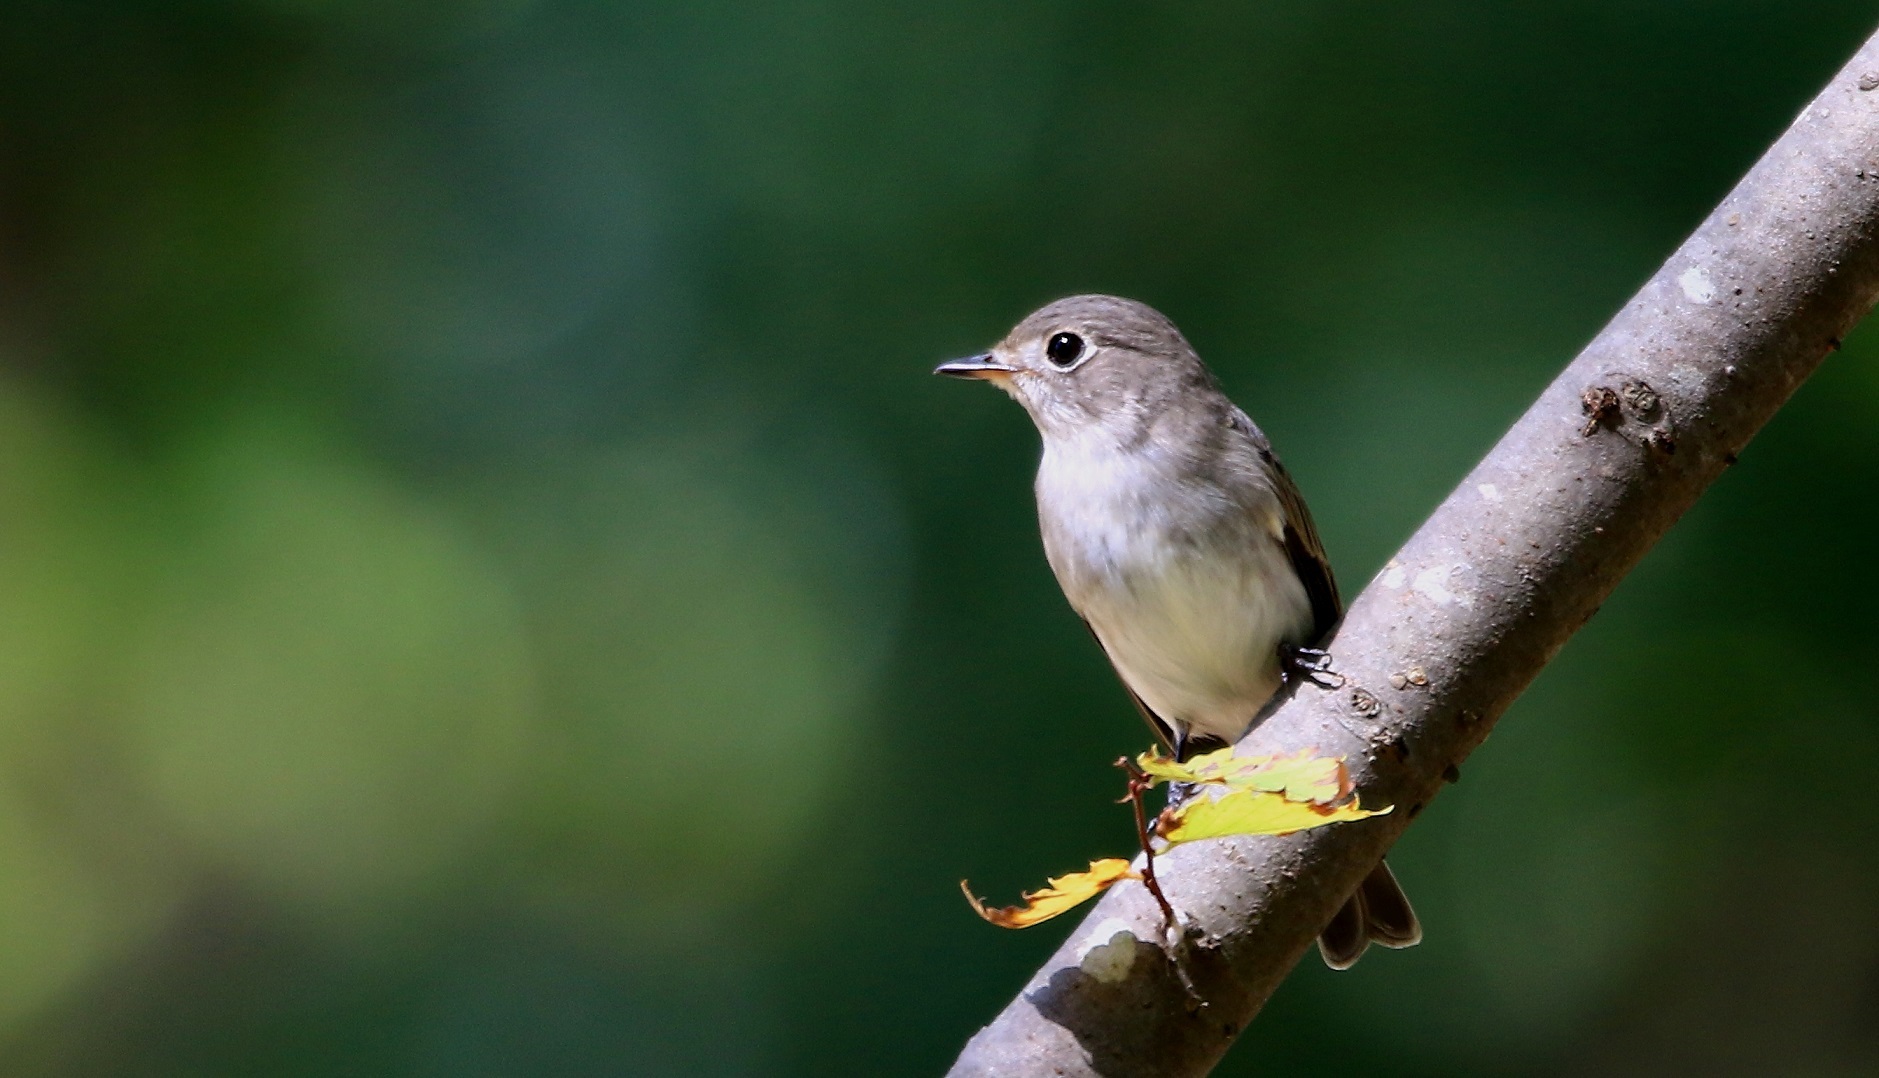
(1312, 664)
(1180, 793)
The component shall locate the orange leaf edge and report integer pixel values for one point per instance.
(1062, 893)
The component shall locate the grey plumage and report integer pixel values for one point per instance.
(1177, 536)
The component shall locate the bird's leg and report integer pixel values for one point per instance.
(1181, 743)
(1312, 664)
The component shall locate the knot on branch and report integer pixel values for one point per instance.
(1600, 405)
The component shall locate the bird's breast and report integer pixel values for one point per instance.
(1183, 581)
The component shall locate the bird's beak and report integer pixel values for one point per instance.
(983, 366)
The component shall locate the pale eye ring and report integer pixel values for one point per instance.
(1064, 350)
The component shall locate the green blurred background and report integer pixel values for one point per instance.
(491, 588)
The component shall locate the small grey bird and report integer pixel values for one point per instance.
(1178, 538)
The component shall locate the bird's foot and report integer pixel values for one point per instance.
(1311, 664)
(1179, 793)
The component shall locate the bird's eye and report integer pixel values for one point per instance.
(1064, 349)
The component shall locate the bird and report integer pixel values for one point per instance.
(1178, 538)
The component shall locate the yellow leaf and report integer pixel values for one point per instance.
(1251, 812)
(1301, 776)
(1063, 893)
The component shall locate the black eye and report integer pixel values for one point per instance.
(1064, 349)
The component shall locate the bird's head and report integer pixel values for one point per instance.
(1091, 362)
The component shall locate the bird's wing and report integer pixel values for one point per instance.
(1307, 554)
(1299, 536)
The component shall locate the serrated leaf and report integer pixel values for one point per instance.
(1064, 892)
(1299, 776)
(1252, 812)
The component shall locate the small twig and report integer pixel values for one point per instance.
(1140, 783)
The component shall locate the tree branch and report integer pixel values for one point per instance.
(1466, 614)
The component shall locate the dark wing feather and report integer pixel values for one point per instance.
(1297, 534)
(1302, 545)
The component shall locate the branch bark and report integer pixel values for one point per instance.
(1483, 595)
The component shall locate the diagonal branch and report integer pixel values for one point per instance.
(1466, 614)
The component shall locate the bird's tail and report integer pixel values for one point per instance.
(1377, 912)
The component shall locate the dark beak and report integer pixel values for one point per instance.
(975, 367)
